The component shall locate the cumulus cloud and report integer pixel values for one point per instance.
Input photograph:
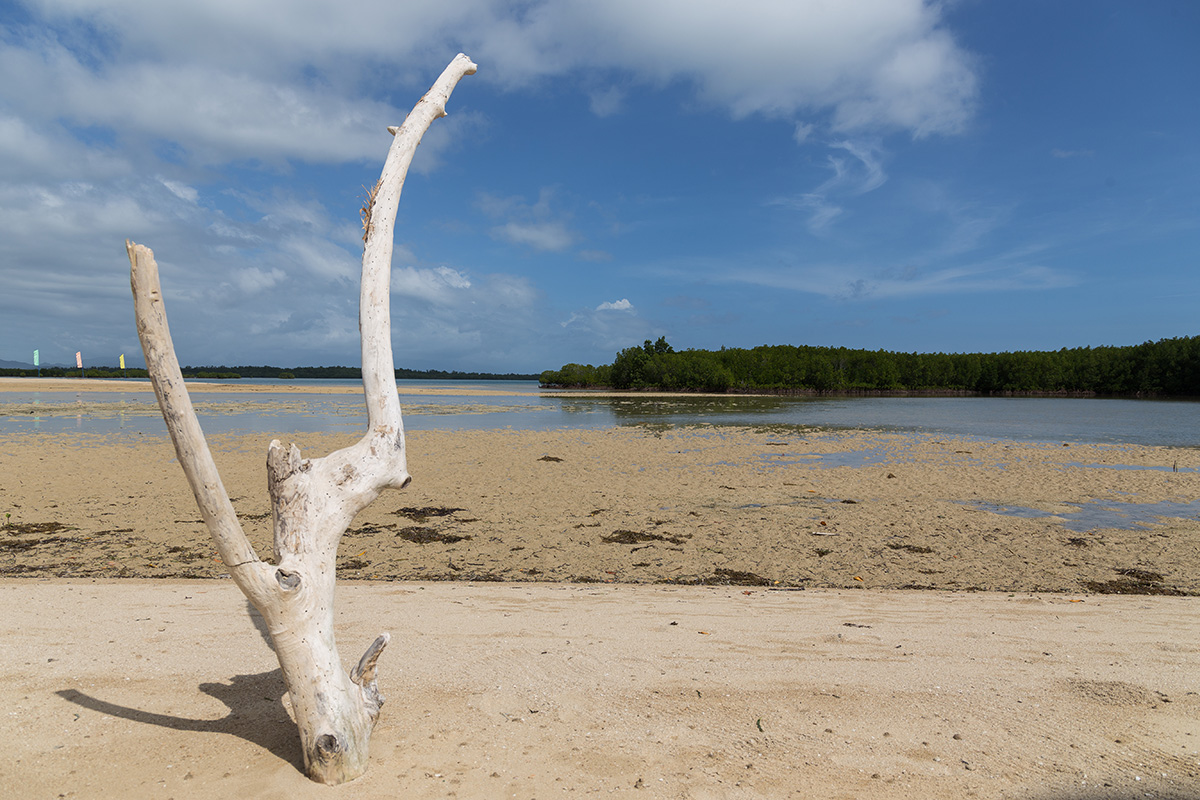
(212, 112)
(876, 63)
(272, 80)
(617, 305)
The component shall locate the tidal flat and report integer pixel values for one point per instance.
(694, 505)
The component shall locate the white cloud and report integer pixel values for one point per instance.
(873, 63)
(870, 177)
(273, 80)
(319, 257)
(44, 150)
(434, 285)
(923, 83)
(552, 236)
(601, 331)
(443, 316)
(606, 102)
(535, 225)
(850, 178)
(823, 212)
(802, 131)
(850, 282)
(111, 92)
(181, 190)
(255, 279)
(215, 112)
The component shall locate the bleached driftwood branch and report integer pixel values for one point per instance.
(314, 500)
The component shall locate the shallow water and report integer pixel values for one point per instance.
(1146, 422)
(1102, 514)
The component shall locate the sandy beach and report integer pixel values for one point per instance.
(158, 689)
(618, 612)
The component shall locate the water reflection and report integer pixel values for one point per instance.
(1174, 423)
(684, 409)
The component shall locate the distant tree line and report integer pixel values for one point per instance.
(72, 372)
(223, 372)
(1166, 368)
(356, 374)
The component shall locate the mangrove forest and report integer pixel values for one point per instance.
(1166, 368)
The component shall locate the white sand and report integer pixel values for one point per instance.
(153, 689)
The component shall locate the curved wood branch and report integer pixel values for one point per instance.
(374, 319)
(351, 478)
(190, 446)
(378, 461)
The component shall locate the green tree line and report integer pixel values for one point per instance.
(73, 372)
(224, 372)
(1166, 368)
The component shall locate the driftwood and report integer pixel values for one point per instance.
(314, 500)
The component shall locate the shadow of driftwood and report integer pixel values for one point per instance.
(260, 625)
(255, 704)
(256, 713)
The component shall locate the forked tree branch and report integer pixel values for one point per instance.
(314, 500)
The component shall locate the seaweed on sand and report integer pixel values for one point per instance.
(1135, 581)
(637, 537)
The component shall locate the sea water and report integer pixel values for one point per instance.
(522, 406)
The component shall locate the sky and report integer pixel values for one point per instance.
(883, 174)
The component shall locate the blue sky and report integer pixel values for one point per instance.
(883, 174)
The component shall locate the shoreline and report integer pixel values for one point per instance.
(435, 387)
(9, 384)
